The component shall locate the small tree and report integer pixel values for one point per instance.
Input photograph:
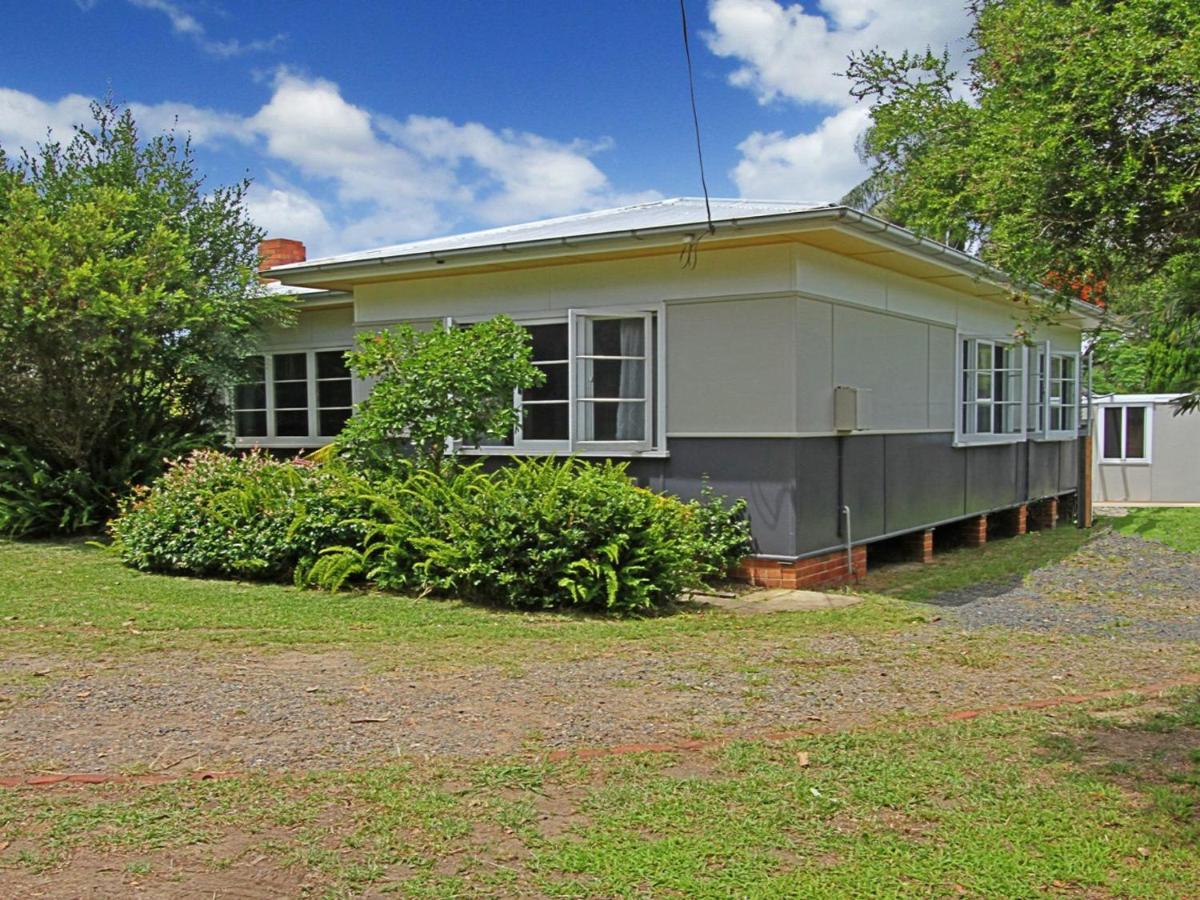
(128, 300)
(435, 386)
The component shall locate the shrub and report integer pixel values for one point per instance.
(725, 537)
(239, 516)
(550, 533)
(36, 500)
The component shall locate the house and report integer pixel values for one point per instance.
(853, 382)
(1145, 452)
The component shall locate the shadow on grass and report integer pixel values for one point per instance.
(1150, 753)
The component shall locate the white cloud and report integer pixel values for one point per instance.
(797, 52)
(184, 23)
(817, 166)
(341, 177)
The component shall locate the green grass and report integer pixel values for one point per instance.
(1177, 527)
(1011, 805)
(72, 598)
(1006, 560)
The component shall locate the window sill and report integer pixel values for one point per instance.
(611, 454)
(1124, 462)
(281, 443)
(1054, 436)
(990, 442)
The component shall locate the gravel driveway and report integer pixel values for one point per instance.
(1122, 612)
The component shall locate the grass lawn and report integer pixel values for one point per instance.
(1095, 802)
(1002, 561)
(74, 598)
(1177, 527)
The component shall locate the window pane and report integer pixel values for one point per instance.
(558, 380)
(983, 386)
(617, 337)
(330, 421)
(1135, 432)
(250, 424)
(332, 364)
(549, 341)
(983, 356)
(612, 421)
(291, 366)
(291, 423)
(291, 394)
(983, 420)
(545, 422)
(250, 396)
(614, 378)
(333, 393)
(1112, 432)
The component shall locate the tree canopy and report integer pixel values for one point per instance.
(1068, 154)
(128, 301)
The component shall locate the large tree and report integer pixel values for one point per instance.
(1068, 154)
(128, 300)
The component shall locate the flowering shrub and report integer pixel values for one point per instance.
(246, 516)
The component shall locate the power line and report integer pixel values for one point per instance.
(687, 51)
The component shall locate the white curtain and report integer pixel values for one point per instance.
(631, 417)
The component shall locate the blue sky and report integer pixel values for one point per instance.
(366, 123)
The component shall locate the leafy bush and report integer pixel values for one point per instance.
(725, 538)
(239, 516)
(36, 500)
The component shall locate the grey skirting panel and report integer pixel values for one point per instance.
(892, 483)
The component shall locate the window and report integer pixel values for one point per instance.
(1125, 434)
(992, 391)
(293, 397)
(601, 384)
(1053, 393)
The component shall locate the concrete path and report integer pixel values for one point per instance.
(777, 600)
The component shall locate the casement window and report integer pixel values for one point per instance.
(293, 398)
(1125, 434)
(1053, 393)
(991, 391)
(602, 389)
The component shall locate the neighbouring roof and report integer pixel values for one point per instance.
(1135, 398)
(675, 213)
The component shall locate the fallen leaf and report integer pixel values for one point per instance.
(802, 759)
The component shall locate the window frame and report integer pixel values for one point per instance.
(963, 438)
(1040, 374)
(272, 438)
(576, 319)
(1147, 434)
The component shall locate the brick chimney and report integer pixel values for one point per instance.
(279, 252)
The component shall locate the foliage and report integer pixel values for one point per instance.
(238, 516)
(128, 299)
(1070, 155)
(35, 500)
(435, 386)
(725, 538)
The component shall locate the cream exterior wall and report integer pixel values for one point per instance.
(756, 337)
(1171, 476)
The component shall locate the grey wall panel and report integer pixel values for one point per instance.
(816, 493)
(1044, 468)
(864, 484)
(1068, 465)
(992, 477)
(926, 480)
(763, 470)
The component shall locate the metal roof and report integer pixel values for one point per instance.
(675, 213)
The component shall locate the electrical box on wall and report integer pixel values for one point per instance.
(851, 408)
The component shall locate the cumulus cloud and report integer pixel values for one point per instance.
(795, 53)
(341, 177)
(816, 166)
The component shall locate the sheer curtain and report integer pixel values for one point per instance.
(631, 417)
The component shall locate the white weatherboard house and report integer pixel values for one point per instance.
(852, 381)
(1145, 453)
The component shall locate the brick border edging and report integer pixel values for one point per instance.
(681, 746)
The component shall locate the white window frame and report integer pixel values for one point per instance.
(1041, 397)
(963, 438)
(654, 443)
(1147, 434)
(271, 438)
